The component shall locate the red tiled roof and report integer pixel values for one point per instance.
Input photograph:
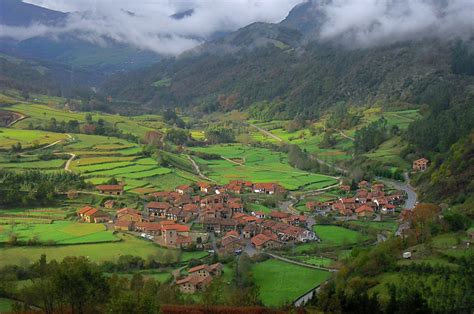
(364, 208)
(110, 187)
(260, 239)
(158, 205)
(150, 226)
(278, 214)
(177, 227)
(85, 209)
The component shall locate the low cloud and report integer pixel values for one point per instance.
(369, 22)
(147, 24)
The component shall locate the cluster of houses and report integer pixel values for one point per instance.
(367, 201)
(168, 215)
(199, 277)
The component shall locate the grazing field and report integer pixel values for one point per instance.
(335, 235)
(129, 245)
(332, 236)
(52, 213)
(39, 113)
(281, 283)
(257, 165)
(59, 232)
(187, 256)
(314, 260)
(27, 138)
(377, 225)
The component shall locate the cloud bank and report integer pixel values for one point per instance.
(369, 22)
(148, 24)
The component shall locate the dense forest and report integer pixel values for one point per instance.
(280, 83)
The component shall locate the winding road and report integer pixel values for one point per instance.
(198, 170)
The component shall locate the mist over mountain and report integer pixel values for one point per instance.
(401, 51)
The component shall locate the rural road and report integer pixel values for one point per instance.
(57, 142)
(21, 117)
(267, 133)
(196, 167)
(411, 200)
(346, 136)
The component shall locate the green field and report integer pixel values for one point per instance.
(332, 236)
(95, 252)
(6, 305)
(61, 232)
(187, 256)
(376, 225)
(257, 165)
(281, 283)
(27, 138)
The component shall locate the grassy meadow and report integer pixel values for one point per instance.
(59, 232)
(128, 245)
(281, 283)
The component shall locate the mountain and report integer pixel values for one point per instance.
(17, 13)
(68, 48)
(45, 77)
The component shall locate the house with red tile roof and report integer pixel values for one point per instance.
(262, 241)
(129, 214)
(268, 188)
(110, 189)
(364, 211)
(157, 209)
(93, 215)
(420, 164)
(124, 225)
(199, 278)
(205, 187)
(184, 189)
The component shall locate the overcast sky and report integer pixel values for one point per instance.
(360, 22)
(151, 27)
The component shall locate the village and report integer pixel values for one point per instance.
(208, 217)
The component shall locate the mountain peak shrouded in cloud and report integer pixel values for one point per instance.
(166, 27)
(169, 27)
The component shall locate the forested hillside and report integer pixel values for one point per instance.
(305, 79)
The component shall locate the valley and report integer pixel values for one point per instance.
(236, 157)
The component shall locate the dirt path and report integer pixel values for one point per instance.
(320, 161)
(57, 142)
(267, 133)
(346, 136)
(21, 117)
(68, 162)
(198, 170)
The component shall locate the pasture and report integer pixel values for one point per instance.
(257, 165)
(27, 138)
(110, 251)
(332, 236)
(281, 283)
(59, 232)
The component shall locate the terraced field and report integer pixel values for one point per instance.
(257, 165)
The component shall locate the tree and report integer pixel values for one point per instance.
(177, 136)
(216, 134)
